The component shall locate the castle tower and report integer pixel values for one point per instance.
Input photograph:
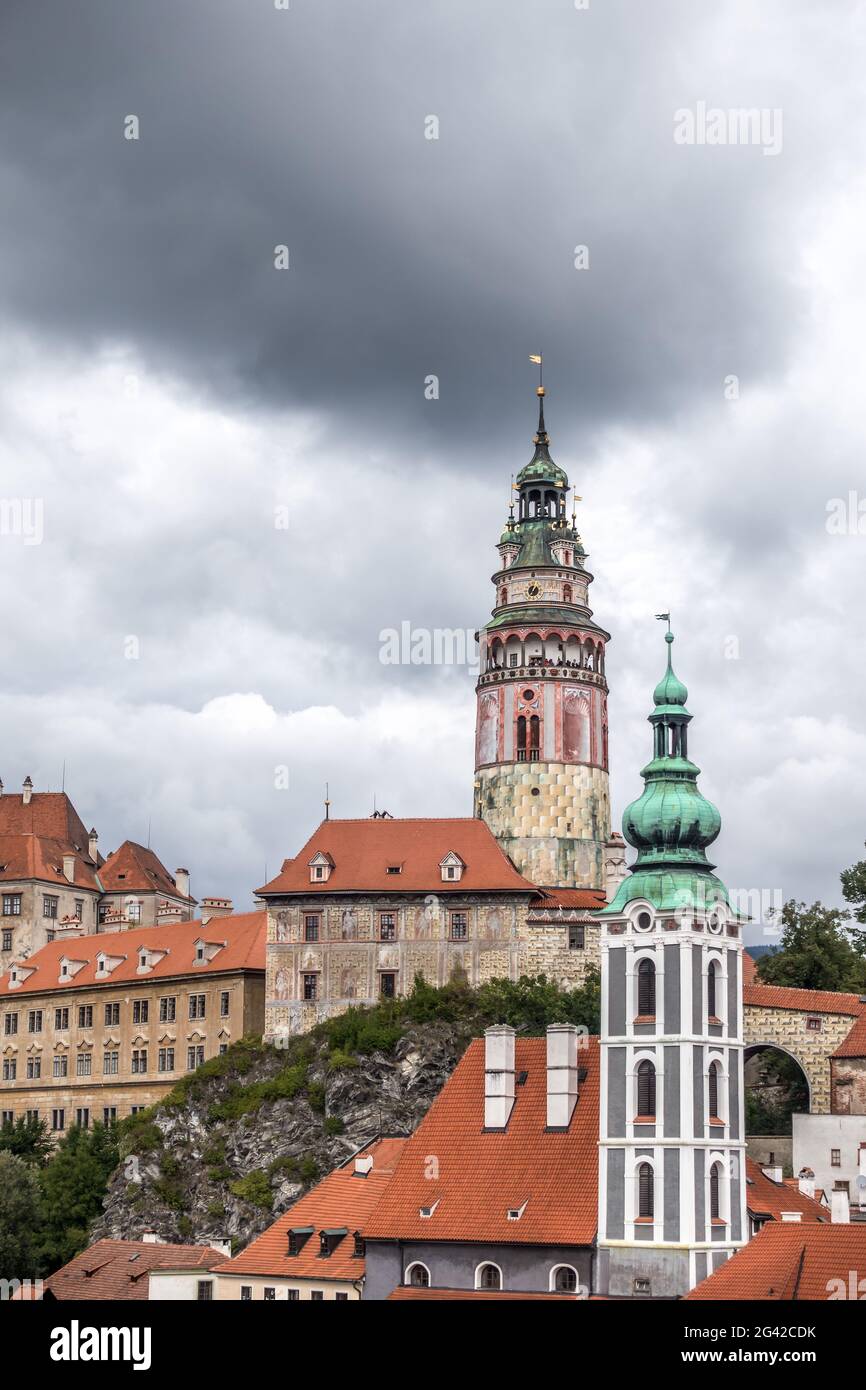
(672, 1192)
(541, 771)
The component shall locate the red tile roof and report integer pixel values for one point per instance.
(790, 1261)
(810, 1001)
(570, 898)
(50, 814)
(341, 1199)
(25, 856)
(855, 1043)
(363, 850)
(483, 1175)
(135, 869)
(764, 1197)
(118, 1269)
(750, 969)
(405, 1291)
(244, 936)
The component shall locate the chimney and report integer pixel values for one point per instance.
(562, 1042)
(840, 1211)
(224, 1247)
(151, 1238)
(792, 1216)
(69, 867)
(773, 1172)
(216, 907)
(92, 842)
(28, 791)
(498, 1075)
(364, 1165)
(806, 1185)
(181, 880)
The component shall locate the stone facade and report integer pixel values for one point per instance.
(789, 1030)
(551, 819)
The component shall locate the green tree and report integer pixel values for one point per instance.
(815, 951)
(19, 1217)
(854, 892)
(28, 1138)
(73, 1187)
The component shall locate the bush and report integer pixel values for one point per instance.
(254, 1188)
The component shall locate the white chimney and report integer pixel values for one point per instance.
(498, 1075)
(364, 1165)
(792, 1216)
(562, 1041)
(807, 1186)
(28, 791)
(224, 1247)
(151, 1238)
(92, 842)
(840, 1211)
(773, 1173)
(69, 867)
(216, 907)
(181, 879)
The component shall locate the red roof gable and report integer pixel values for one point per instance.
(363, 850)
(343, 1199)
(118, 1269)
(24, 856)
(855, 1043)
(244, 935)
(483, 1175)
(135, 869)
(51, 814)
(750, 969)
(790, 1261)
(764, 1197)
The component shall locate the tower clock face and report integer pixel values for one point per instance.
(533, 589)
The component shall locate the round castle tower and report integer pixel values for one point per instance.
(541, 769)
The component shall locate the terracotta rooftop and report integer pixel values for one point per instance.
(343, 1199)
(118, 1269)
(135, 869)
(50, 814)
(23, 856)
(483, 1175)
(855, 1043)
(789, 1261)
(765, 1197)
(244, 938)
(362, 851)
(811, 1001)
(750, 969)
(567, 898)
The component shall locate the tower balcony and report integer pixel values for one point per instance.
(567, 671)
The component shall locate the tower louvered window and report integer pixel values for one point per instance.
(645, 1193)
(646, 1089)
(711, 989)
(646, 988)
(715, 1192)
(714, 1088)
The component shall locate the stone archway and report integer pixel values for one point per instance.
(790, 1030)
(802, 1086)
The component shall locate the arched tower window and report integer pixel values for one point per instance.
(713, 1087)
(646, 988)
(715, 1191)
(645, 1194)
(646, 1089)
(565, 1279)
(489, 1277)
(711, 988)
(534, 736)
(566, 593)
(521, 738)
(503, 597)
(419, 1276)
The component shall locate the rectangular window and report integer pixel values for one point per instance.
(246, 1293)
(82, 1118)
(32, 1116)
(7, 1117)
(194, 1057)
(168, 1009)
(85, 1015)
(341, 1298)
(110, 1063)
(112, 1015)
(139, 1061)
(83, 1064)
(293, 1295)
(34, 1021)
(204, 1289)
(79, 909)
(225, 999)
(317, 1296)
(109, 1115)
(137, 1109)
(60, 1067)
(140, 1010)
(61, 1020)
(311, 928)
(10, 1025)
(10, 1068)
(102, 912)
(387, 926)
(576, 938)
(133, 912)
(11, 904)
(835, 1158)
(459, 926)
(165, 1059)
(34, 1068)
(224, 1047)
(311, 986)
(269, 1295)
(58, 1120)
(196, 1005)
(387, 985)
(7, 939)
(49, 905)
(813, 1025)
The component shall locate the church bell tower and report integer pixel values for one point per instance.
(541, 767)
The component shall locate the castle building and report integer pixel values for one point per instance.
(541, 750)
(672, 1191)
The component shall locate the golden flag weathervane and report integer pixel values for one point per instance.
(537, 358)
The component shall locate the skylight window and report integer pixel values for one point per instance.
(426, 1212)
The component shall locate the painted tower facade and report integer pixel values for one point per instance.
(541, 763)
(672, 1192)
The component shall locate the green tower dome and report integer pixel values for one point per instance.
(671, 824)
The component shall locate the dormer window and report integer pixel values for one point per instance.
(451, 867)
(394, 869)
(298, 1238)
(426, 1212)
(320, 867)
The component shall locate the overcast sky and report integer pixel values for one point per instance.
(169, 396)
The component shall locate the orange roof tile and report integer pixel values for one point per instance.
(764, 1197)
(812, 1001)
(405, 1291)
(854, 1045)
(24, 856)
(483, 1175)
(750, 969)
(50, 814)
(342, 1199)
(135, 869)
(118, 1269)
(363, 850)
(790, 1261)
(570, 898)
(244, 936)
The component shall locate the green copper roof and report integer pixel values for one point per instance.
(671, 824)
(541, 468)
